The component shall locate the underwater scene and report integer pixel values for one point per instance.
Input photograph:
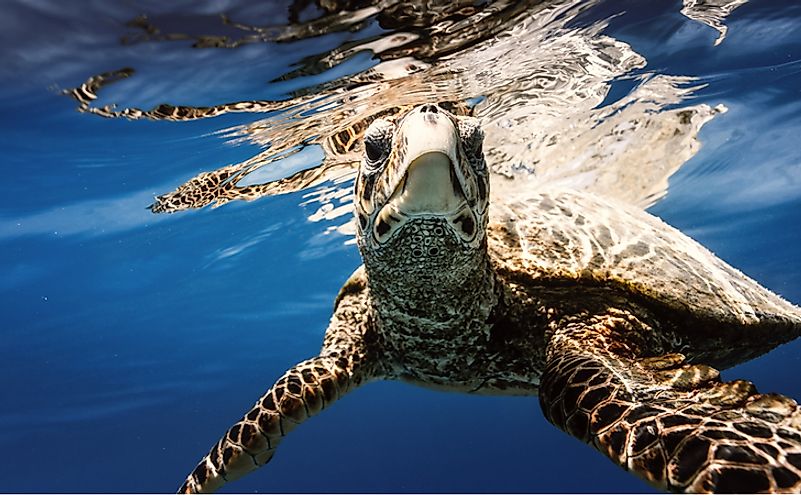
(177, 215)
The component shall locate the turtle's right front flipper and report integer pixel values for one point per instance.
(302, 392)
(349, 358)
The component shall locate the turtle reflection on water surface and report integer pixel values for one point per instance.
(611, 316)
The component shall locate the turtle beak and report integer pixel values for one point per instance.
(427, 167)
(428, 130)
(426, 179)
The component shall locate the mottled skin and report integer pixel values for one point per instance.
(612, 317)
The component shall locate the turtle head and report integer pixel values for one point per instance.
(422, 190)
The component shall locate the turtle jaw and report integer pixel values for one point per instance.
(426, 177)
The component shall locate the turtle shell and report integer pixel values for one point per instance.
(574, 237)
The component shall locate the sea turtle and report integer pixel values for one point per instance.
(614, 318)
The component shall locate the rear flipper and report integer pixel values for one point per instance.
(674, 424)
(302, 392)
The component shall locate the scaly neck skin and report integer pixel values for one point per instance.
(430, 310)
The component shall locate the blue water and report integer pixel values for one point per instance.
(131, 341)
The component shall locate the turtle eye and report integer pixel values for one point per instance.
(472, 138)
(377, 143)
(372, 150)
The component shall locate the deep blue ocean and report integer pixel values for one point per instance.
(130, 341)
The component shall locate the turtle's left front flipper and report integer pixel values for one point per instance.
(674, 424)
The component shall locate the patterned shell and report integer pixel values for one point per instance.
(573, 237)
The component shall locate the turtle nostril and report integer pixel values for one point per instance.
(429, 108)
